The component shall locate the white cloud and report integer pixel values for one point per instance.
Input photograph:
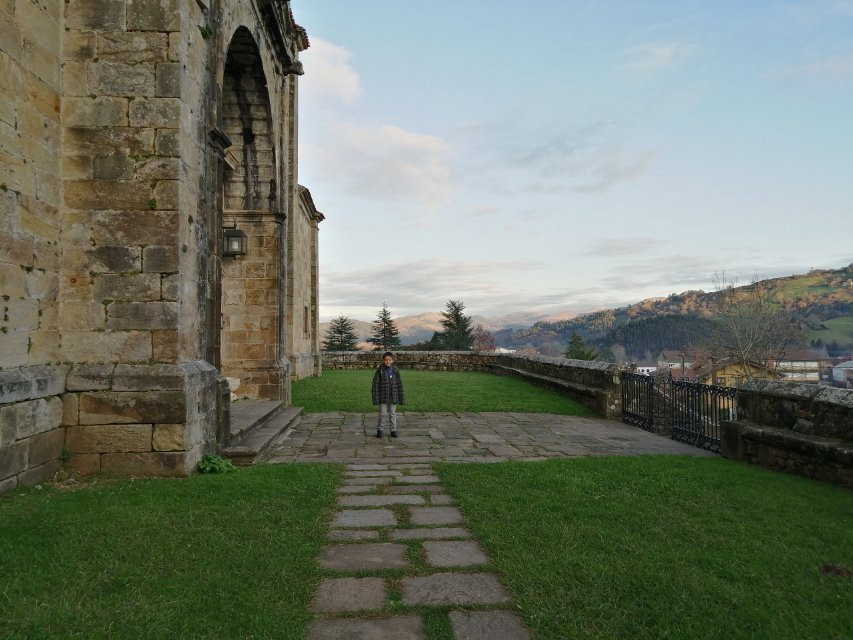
(384, 163)
(646, 59)
(328, 72)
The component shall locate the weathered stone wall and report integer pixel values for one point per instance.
(799, 428)
(595, 384)
(303, 341)
(31, 378)
(111, 213)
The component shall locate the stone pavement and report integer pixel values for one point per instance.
(397, 545)
(465, 437)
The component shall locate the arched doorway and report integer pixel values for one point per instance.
(251, 291)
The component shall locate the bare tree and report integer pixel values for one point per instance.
(484, 340)
(751, 330)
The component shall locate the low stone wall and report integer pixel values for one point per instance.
(594, 384)
(798, 428)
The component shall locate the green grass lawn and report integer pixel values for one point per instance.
(216, 556)
(433, 391)
(837, 330)
(663, 547)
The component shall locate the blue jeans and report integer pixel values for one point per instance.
(389, 411)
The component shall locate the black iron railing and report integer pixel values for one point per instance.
(684, 410)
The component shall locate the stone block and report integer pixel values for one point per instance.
(109, 438)
(42, 285)
(441, 589)
(13, 458)
(75, 78)
(107, 194)
(168, 80)
(80, 315)
(350, 594)
(352, 534)
(157, 463)
(77, 168)
(108, 407)
(167, 194)
(17, 421)
(170, 437)
(44, 98)
(97, 141)
(121, 79)
(430, 533)
(364, 518)
(165, 346)
(168, 142)
(488, 625)
(102, 259)
(90, 377)
(46, 255)
(38, 475)
(130, 286)
(142, 315)
(13, 346)
(46, 447)
(97, 346)
(70, 409)
(44, 347)
(160, 259)
(16, 250)
(378, 501)
(368, 556)
(78, 45)
(85, 463)
(19, 313)
(135, 227)
(13, 280)
(155, 112)
(396, 627)
(103, 15)
(156, 168)
(154, 15)
(435, 515)
(102, 111)
(9, 484)
(15, 385)
(132, 46)
(47, 415)
(113, 168)
(161, 377)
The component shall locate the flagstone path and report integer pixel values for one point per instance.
(398, 544)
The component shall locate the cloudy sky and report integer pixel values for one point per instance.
(572, 154)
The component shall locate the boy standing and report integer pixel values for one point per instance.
(387, 392)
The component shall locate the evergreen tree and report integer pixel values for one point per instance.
(578, 349)
(385, 335)
(340, 336)
(458, 334)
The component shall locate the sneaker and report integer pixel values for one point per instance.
(393, 434)
(379, 433)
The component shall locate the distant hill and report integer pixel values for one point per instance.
(823, 300)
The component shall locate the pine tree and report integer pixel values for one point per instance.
(385, 335)
(458, 335)
(340, 336)
(578, 350)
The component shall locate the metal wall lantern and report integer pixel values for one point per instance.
(233, 242)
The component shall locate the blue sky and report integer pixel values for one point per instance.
(567, 155)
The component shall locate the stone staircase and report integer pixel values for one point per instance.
(255, 426)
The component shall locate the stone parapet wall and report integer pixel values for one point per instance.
(594, 384)
(793, 427)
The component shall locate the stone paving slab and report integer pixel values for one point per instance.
(440, 499)
(364, 518)
(431, 533)
(374, 474)
(454, 554)
(352, 534)
(378, 501)
(350, 594)
(364, 556)
(454, 588)
(415, 488)
(417, 479)
(487, 625)
(396, 628)
(368, 467)
(435, 515)
(352, 482)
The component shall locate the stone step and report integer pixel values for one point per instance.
(264, 432)
(248, 414)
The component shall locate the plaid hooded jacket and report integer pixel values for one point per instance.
(387, 386)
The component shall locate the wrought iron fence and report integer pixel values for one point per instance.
(684, 410)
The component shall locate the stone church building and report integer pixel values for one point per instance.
(154, 239)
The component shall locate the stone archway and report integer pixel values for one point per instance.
(251, 284)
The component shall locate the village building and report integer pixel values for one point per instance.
(154, 239)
